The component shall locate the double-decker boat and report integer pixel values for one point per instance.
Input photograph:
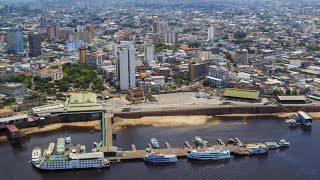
(156, 157)
(251, 151)
(209, 154)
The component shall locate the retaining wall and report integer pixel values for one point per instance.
(220, 110)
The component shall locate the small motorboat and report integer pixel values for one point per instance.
(284, 143)
(154, 143)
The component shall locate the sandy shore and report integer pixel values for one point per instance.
(92, 125)
(165, 121)
(95, 125)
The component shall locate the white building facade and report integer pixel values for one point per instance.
(126, 68)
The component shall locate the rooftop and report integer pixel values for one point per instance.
(86, 155)
(83, 102)
(241, 93)
(292, 98)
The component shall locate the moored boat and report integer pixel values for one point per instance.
(209, 154)
(272, 145)
(154, 143)
(284, 143)
(199, 141)
(60, 145)
(156, 157)
(251, 151)
(50, 149)
(36, 155)
(67, 139)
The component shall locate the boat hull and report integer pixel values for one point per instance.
(208, 158)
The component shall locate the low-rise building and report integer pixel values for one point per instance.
(13, 90)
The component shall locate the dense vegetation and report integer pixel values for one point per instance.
(161, 46)
(80, 76)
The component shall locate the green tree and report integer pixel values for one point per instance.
(288, 91)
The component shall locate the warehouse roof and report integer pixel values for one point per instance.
(241, 93)
(83, 102)
(292, 98)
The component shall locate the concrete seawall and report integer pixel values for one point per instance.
(219, 110)
(62, 118)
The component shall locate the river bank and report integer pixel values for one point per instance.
(156, 121)
(166, 121)
(314, 115)
(87, 125)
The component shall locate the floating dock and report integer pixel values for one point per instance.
(180, 152)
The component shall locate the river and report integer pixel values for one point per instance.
(300, 161)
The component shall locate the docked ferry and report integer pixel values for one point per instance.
(209, 154)
(155, 157)
(251, 151)
(72, 161)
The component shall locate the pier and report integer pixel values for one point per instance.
(180, 152)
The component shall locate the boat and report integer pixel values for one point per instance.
(68, 139)
(155, 157)
(209, 154)
(82, 149)
(232, 141)
(154, 143)
(36, 155)
(199, 141)
(50, 149)
(284, 143)
(272, 145)
(73, 161)
(304, 119)
(60, 146)
(251, 151)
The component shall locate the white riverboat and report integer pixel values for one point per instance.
(36, 155)
(156, 157)
(72, 161)
(209, 154)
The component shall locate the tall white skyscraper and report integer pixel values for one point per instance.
(211, 33)
(149, 53)
(126, 68)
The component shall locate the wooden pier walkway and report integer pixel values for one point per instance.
(221, 142)
(187, 144)
(133, 147)
(167, 145)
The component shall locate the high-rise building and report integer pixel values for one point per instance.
(1, 41)
(125, 68)
(15, 41)
(211, 33)
(197, 70)
(82, 55)
(43, 22)
(7, 9)
(92, 30)
(149, 53)
(171, 38)
(52, 31)
(34, 44)
(74, 45)
(119, 37)
(241, 57)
